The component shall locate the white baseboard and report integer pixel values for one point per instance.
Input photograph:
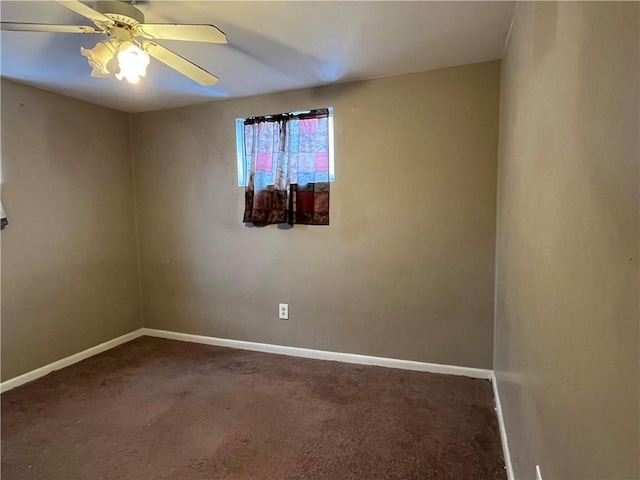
(503, 430)
(323, 355)
(65, 362)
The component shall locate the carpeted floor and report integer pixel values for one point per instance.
(154, 408)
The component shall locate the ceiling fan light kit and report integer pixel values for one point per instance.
(119, 57)
(123, 55)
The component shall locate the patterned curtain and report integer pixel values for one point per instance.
(288, 163)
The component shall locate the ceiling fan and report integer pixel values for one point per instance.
(131, 41)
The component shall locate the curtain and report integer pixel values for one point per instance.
(288, 163)
(3, 218)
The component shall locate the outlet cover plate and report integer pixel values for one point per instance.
(283, 311)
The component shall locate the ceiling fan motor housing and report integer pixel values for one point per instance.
(120, 12)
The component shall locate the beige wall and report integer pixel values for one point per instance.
(567, 266)
(404, 270)
(69, 268)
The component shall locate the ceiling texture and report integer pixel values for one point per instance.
(272, 46)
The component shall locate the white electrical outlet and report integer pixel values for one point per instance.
(283, 311)
(538, 474)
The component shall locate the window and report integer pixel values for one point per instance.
(285, 163)
(244, 160)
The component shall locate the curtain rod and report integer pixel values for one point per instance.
(319, 113)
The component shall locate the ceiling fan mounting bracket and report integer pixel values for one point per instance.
(120, 12)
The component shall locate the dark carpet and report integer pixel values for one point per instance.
(156, 408)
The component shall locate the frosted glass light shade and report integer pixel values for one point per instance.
(102, 58)
(132, 62)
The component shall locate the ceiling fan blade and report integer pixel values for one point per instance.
(43, 27)
(189, 33)
(182, 65)
(86, 11)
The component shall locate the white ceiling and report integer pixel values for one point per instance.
(273, 46)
